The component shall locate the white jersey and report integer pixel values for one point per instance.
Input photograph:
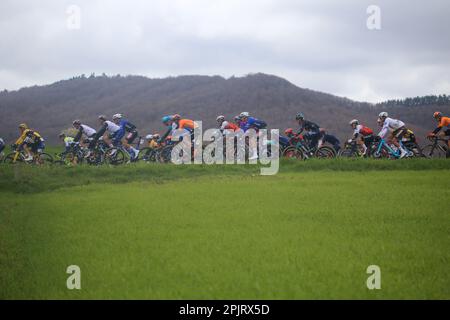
(112, 127)
(390, 125)
(88, 131)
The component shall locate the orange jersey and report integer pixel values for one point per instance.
(186, 124)
(445, 122)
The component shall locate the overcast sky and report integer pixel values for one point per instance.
(318, 44)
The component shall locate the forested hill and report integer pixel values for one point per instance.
(144, 101)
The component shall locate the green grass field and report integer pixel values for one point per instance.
(196, 232)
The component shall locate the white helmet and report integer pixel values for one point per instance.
(117, 116)
(354, 121)
(383, 115)
(244, 115)
(149, 137)
(220, 118)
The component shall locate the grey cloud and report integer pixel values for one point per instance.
(322, 45)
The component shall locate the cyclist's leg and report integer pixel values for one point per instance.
(129, 144)
(314, 138)
(368, 141)
(28, 151)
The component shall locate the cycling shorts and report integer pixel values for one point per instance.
(399, 133)
(37, 147)
(131, 137)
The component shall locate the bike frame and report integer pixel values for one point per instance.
(392, 152)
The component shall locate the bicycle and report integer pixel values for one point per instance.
(300, 150)
(18, 155)
(351, 150)
(381, 149)
(75, 155)
(437, 149)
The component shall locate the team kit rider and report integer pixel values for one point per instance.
(31, 141)
(397, 129)
(443, 122)
(363, 134)
(128, 129)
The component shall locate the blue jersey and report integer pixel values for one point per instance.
(125, 126)
(253, 123)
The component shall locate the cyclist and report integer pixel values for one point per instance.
(152, 140)
(68, 142)
(2, 145)
(247, 122)
(112, 129)
(397, 129)
(83, 129)
(329, 138)
(126, 127)
(442, 122)
(293, 137)
(365, 134)
(225, 125)
(169, 123)
(311, 129)
(31, 140)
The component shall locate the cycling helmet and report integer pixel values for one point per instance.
(62, 134)
(354, 121)
(237, 118)
(102, 117)
(244, 115)
(220, 118)
(383, 115)
(289, 132)
(437, 114)
(23, 126)
(300, 116)
(76, 122)
(149, 137)
(156, 136)
(117, 116)
(166, 119)
(176, 117)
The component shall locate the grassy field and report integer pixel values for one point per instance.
(195, 232)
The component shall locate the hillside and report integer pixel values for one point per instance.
(144, 101)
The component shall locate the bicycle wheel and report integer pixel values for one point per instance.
(433, 151)
(325, 153)
(147, 155)
(347, 153)
(415, 149)
(166, 154)
(293, 153)
(114, 156)
(9, 159)
(96, 158)
(44, 158)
